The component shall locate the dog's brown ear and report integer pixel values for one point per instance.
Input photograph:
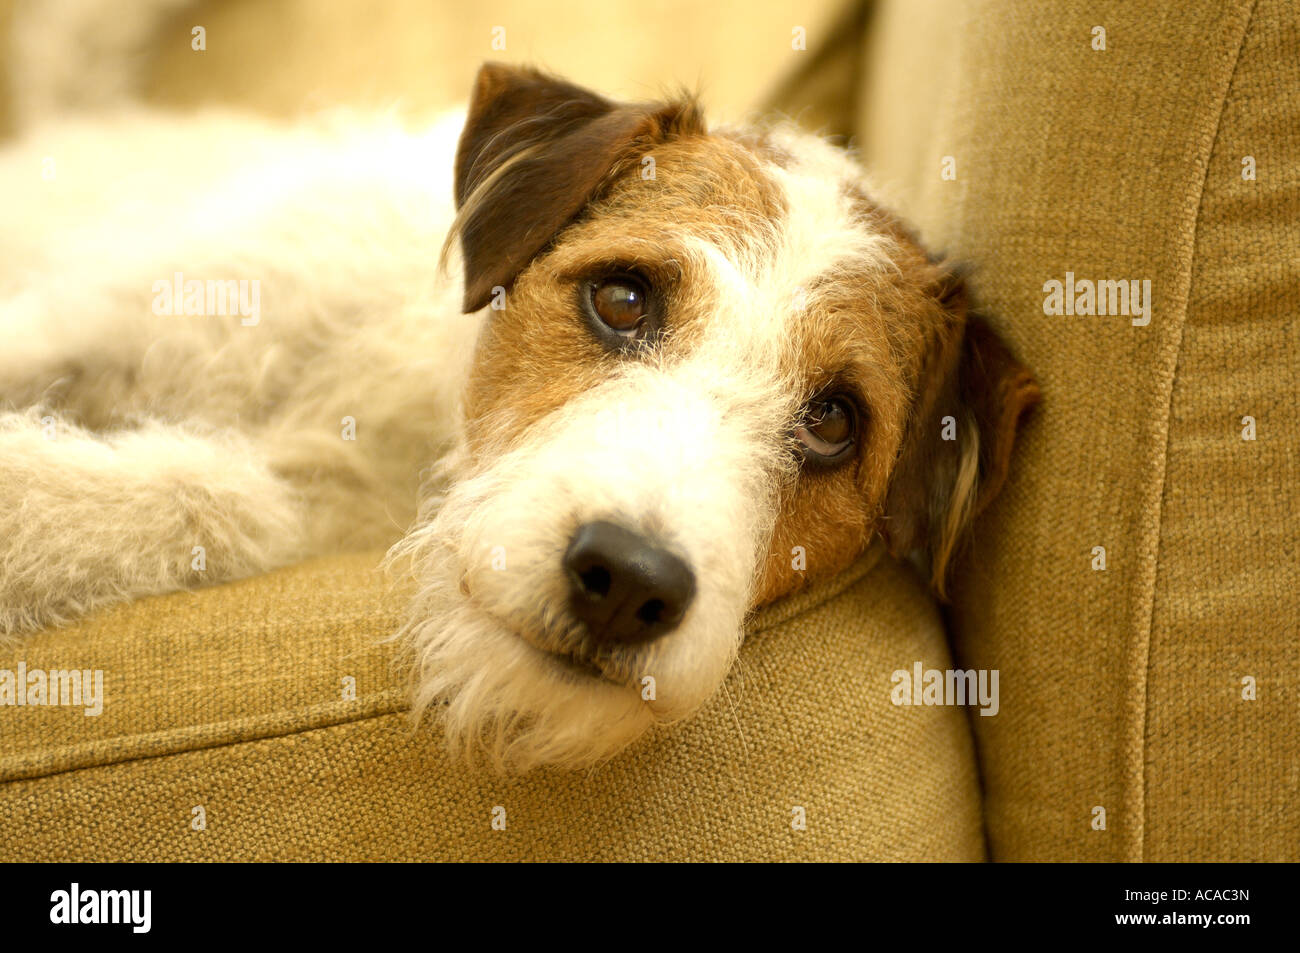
(957, 449)
(534, 151)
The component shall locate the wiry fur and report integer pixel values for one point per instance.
(340, 221)
(689, 457)
(102, 519)
(132, 438)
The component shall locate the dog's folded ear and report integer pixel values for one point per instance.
(534, 151)
(956, 452)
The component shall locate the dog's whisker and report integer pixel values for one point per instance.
(735, 717)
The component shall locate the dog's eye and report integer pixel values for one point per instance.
(827, 430)
(620, 311)
(620, 303)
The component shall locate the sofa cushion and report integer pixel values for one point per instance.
(1124, 687)
(231, 699)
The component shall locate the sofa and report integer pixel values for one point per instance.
(1135, 585)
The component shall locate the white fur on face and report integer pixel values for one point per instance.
(688, 458)
(689, 449)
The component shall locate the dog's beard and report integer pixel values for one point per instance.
(488, 646)
(499, 698)
(495, 696)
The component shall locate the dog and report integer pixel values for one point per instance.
(685, 371)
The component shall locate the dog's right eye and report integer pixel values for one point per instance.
(620, 304)
(619, 310)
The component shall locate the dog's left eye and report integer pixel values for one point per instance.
(827, 430)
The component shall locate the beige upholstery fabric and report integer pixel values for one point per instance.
(231, 700)
(1122, 688)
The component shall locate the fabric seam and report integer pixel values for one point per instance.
(767, 618)
(222, 743)
(1146, 631)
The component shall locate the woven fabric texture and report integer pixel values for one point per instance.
(231, 700)
(1124, 688)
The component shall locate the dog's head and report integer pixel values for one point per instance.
(710, 370)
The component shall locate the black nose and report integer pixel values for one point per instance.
(624, 587)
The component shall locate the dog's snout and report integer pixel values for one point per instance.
(624, 587)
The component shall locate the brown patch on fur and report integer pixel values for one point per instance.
(535, 151)
(536, 354)
(551, 199)
(906, 346)
(972, 386)
(862, 337)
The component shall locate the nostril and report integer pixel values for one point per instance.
(651, 611)
(595, 582)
